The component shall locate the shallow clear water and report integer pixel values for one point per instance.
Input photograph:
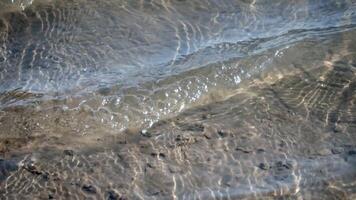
(178, 99)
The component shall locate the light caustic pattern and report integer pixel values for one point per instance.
(178, 99)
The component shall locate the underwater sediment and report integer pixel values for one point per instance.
(178, 99)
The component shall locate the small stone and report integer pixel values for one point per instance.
(243, 150)
(263, 166)
(155, 193)
(89, 189)
(178, 138)
(161, 155)
(112, 195)
(68, 152)
(284, 165)
(336, 150)
(145, 133)
(289, 165)
(45, 176)
(324, 152)
(32, 169)
(182, 140)
(282, 144)
(222, 133)
(122, 142)
(104, 91)
(260, 150)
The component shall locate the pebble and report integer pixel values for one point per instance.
(336, 150)
(68, 152)
(161, 155)
(260, 150)
(112, 195)
(323, 152)
(145, 133)
(104, 91)
(284, 165)
(222, 133)
(263, 166)
(243, 150)
(89, 189)
(30, 167)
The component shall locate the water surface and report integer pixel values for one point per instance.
(178, 99)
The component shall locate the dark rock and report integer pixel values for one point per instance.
(32, 168)
(260, 150)
(243, 150)
(280, 165)
(222, 133)
(104, 91)
(336, 150)
(182, 140)
(178, 138)
(112, 195)
(45, 176)
(282, 144)
(68, 152)
(155, 193)
(89, 189)
(149, 165)
(121, 141)
(161, 155)
(263, 166)
(75, 183)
